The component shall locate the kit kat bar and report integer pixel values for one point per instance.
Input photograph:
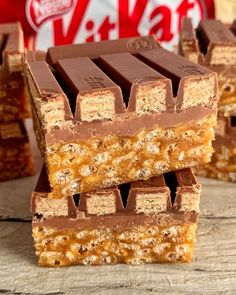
(170, 193)
(217, 42)
(187, 30)
(132, 45)
(144, 89)
(95, 95)
(12, 46)
(188, 46)
(187, 192)
(43, 205)
(149, 196)
(193, 84)
(101, 202)
(51, 99)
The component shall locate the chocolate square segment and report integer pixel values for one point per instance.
(101, 202)
(218, 42)
(187, 193)
(43, 204)
(97, 96)
(144, 89)
(193, 84)
(50, 100)
(150, 196)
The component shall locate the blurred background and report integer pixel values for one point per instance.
(54, 22)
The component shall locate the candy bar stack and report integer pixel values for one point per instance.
(119, 124)
(15, 154)
(214, 46)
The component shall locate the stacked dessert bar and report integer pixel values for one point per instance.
(114, 121)
(15, 154)
(214, 46)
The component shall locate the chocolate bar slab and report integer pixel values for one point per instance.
(184, 75)
(92, 116)
(159, 214)
(217, 52)
(13, 103)
(126, 69)
(95, 95)
(15, 153)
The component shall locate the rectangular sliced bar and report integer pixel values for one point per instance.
(157, 224)
(217, 42)
(15, 153)
(217, 52)
(188, 47)
(113, 120)
(14, 100)
(223, 161)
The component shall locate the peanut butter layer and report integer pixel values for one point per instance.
(144, 222)
(102, 108)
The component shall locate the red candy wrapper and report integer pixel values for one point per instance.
(55, 22)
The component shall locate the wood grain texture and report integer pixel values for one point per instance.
(213, 270)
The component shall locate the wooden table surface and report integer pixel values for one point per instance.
(213, 270)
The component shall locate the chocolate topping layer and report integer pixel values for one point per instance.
(117, 221)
